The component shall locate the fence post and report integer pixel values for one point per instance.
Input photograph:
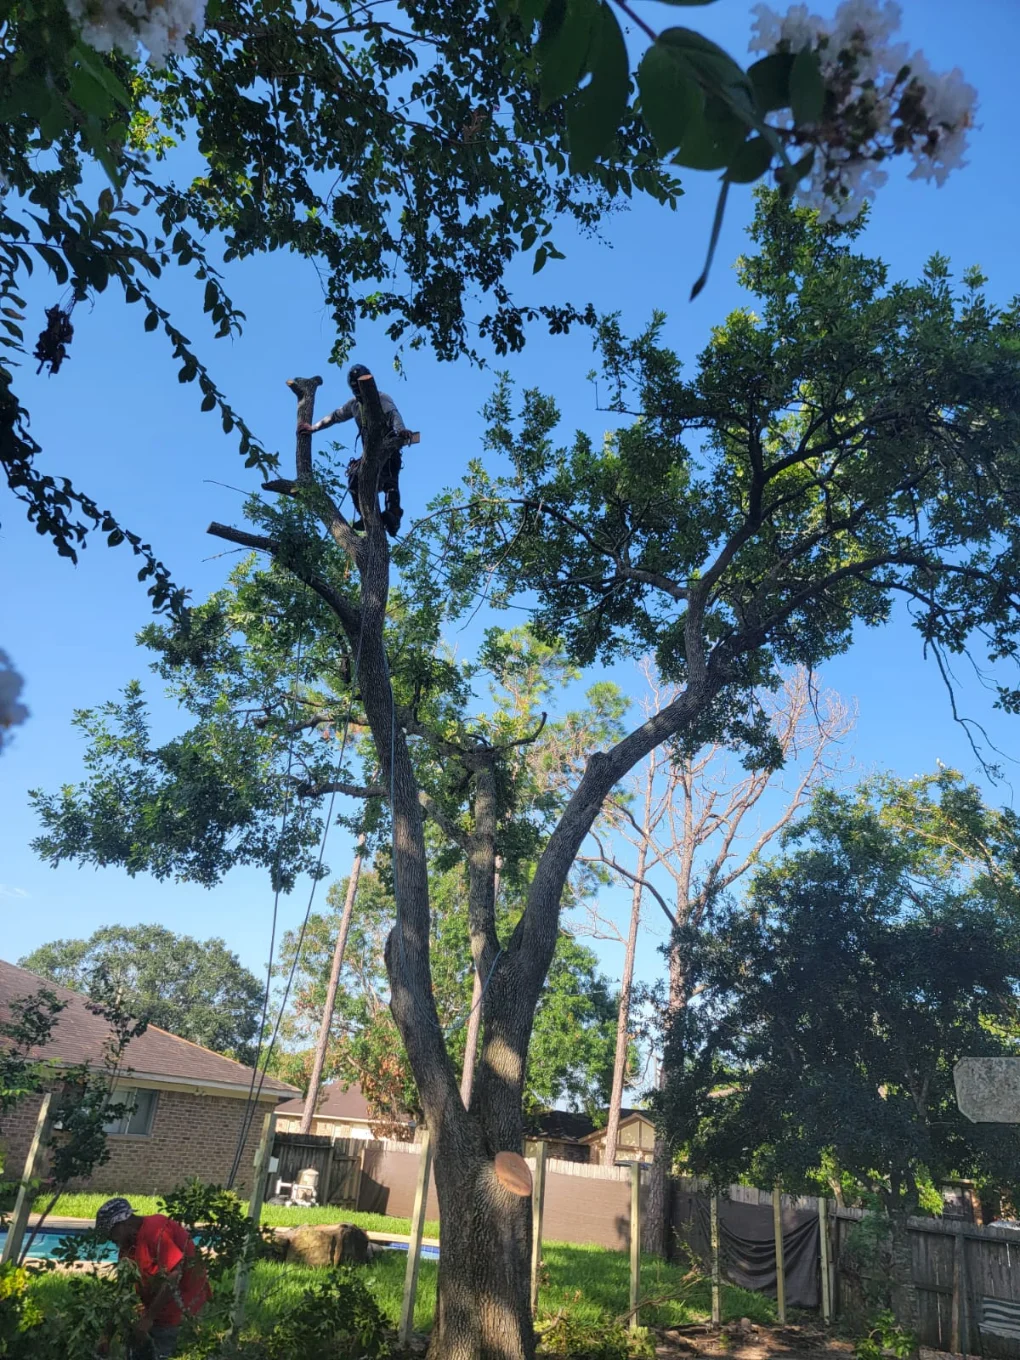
(956, 1316)
(713, 1212)
(537, 1209)
(823, 1258)
(258, 1195)
(421, 1195)
(23, 1203)
(635, 1242)
(777, 1221)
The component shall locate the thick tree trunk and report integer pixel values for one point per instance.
(315, 1081)
(623, 1018)
(483, 1309)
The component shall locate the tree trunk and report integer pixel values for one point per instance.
(483, 1307)
(623, 1019)
(474, 1027)
(315, 1081)
(657, 1233)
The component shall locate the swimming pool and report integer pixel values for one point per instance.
(44, 1247)
(427, 1253)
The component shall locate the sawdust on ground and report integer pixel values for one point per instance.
(746, 1341)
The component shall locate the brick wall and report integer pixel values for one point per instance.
(192, 1135)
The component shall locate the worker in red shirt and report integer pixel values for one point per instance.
(172, 1284)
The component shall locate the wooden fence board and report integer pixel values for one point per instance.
(338, 1162)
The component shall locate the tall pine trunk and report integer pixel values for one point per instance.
(623, 1016)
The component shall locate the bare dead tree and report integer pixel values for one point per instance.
(694, 835)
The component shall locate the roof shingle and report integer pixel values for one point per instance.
(334, 1103)
(79, 1036)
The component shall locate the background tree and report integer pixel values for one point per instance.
(195, 989)
(844, 445)
(571, 1055)
(696, 825)
(882, 947)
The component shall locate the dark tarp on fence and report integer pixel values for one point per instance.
(747, 1244)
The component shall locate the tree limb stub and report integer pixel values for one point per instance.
(304, 390)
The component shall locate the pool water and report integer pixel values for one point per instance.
(44, 1248)
(427, 1253)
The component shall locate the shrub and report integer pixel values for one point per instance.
(592, 1341)
(885, 1337)
(218, 1218)
(18, 1312)
(336, 1319)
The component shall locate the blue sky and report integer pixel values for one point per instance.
(117, 420)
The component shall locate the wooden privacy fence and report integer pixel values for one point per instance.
(966, 1278)
(967, 1283)
(337, 1160)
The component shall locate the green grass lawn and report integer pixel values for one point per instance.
(590, 1284)
(275, 1215)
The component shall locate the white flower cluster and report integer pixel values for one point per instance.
(880, 102)
(12, 711)
(160, 27)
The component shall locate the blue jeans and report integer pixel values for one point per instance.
(158, 1345)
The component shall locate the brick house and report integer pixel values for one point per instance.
(188, 1103)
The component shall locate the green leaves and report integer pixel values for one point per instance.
(770, 80)
(563, 45)
(869, 878)
(671, 99)
(595, 113)
(807, 88)
(579, 39)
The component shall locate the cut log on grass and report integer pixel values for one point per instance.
(333, 1244)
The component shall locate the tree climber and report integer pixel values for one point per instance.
(397, 433)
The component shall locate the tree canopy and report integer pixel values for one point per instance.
(195, 989)
(413, 153)
(878, 950)
(844, 442)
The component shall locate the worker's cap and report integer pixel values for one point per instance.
(354, 376)
(111, 1213)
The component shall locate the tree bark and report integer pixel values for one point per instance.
(623, 1018)
(658, 1236)
(474, 1027)
(483, 1305)
(304, 390)
(315, 1081)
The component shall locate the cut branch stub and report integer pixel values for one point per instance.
(513, 1174)
(304, 390)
